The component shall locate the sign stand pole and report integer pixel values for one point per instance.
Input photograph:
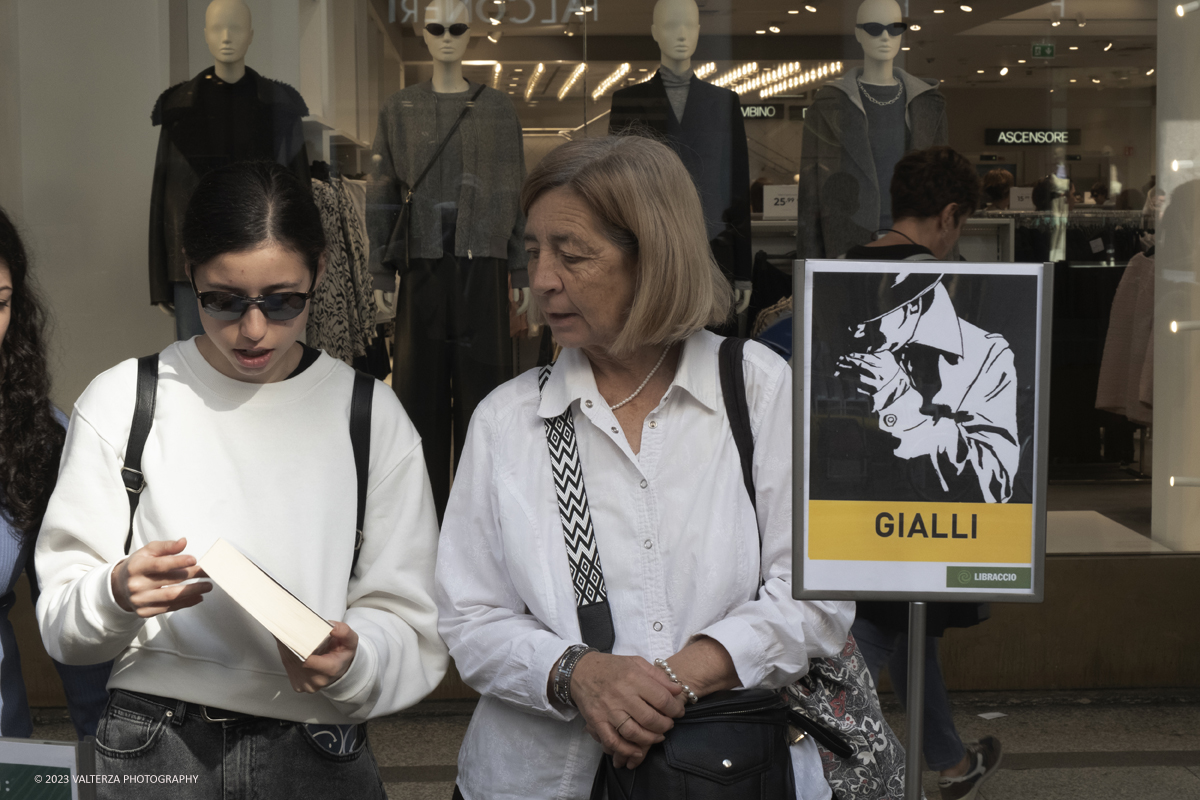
(915, 707)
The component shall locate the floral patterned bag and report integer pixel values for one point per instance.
(839, 693)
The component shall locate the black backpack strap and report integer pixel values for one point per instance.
(139, 432)
(733, 388)
(360, 440)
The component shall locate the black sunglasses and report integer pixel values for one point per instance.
(457, 29)
(229, 306)
(877, 28)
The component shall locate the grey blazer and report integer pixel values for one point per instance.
(490, 222)
(840, 197)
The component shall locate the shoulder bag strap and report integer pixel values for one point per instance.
(733, 389)
(591, 594)
(360, 440)
(139, 432)
(412, 190)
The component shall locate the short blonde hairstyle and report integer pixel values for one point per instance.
(646, 203)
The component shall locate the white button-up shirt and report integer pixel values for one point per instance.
(679, 546)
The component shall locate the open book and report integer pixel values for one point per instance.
(301, 629)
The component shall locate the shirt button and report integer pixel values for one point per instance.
(587, 403)
(614, 430)
(647, 544)
(653, 423)
(643, 484)
(658, 626)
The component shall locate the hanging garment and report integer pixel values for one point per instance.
(1127, 367)
(711, 141)
(842, 198)
(206, 124)
(341, 318)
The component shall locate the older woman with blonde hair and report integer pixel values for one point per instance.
(602, 563)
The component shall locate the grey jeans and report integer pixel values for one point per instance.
(156, 747)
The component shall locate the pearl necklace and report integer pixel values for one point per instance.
(866, 94)
(648, 377)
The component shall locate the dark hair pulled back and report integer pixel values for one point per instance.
(31, 439)
(926, 181)
(249, 204)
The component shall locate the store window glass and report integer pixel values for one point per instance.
(1077, 115)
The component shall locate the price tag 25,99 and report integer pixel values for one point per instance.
(779, 202)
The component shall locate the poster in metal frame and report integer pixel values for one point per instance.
(921, 401)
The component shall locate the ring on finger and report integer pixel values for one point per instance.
(627, 718)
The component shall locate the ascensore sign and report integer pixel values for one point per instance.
(994, 137)
(763, 111)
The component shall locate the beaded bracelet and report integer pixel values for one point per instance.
(687, 690)
(566, 667)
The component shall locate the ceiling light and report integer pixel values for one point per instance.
(497, 71)
(979, 71)
(1095, 80)
(494, 36)
(811, 9)
(1081, 20)
(493, 20)
(760, 31)
(1186, 8)
(1020, 61)
(1072, 48)
(1150, 72)
(1004, 70)
(774, 29)
(491, 62)
(794, 11)
(967, 9)
(939, 11)
(1072, 80)
(1108, 47)
(576, 74)
(914, 27)
(906, 49)
(534, 77)
(1054, 23)
(610, 81)
(701, 72)
(586, 9)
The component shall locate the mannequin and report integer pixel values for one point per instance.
(463, 242)
(226, 113)
(703, 124)
(858, 127)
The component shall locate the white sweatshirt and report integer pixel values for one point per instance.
(269, 468)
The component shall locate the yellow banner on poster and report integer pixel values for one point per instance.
(967, 533)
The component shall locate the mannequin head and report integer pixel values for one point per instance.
(884, 47)
(447, 48)
(676, 28)
(228, 32)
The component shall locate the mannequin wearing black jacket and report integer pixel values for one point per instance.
(225, 114)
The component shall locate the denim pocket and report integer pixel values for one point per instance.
(337, 743)
(124, 733)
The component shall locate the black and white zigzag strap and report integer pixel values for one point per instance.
(591, 596)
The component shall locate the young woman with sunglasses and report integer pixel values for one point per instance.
(250, 442)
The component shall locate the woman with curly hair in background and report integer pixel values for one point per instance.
(31, 440)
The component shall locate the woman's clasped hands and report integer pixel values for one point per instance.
(627, 702)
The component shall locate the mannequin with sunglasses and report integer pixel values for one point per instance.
(859, 126)
(249, 443)
(457, 246)
(227, 113)
(703, 124)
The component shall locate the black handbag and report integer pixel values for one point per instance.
(732, 745)
(393, 258)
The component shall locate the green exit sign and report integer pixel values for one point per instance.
(1043, 51)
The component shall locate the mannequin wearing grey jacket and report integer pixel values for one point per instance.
(841, 197)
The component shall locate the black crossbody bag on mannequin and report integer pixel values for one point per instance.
(400, 229)
(731, 745)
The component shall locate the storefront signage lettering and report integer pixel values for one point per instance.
(1031, 136)
(885, 526)
(763, 111)
(520, 12)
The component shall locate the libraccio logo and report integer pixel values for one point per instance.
(988, 577)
